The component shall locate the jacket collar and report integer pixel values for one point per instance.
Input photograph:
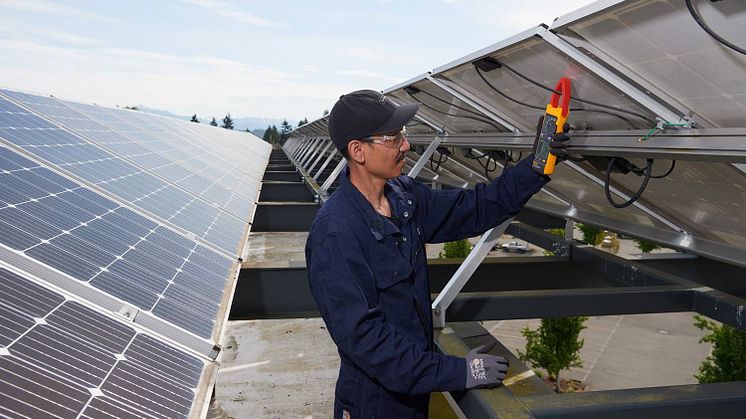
(402, 206)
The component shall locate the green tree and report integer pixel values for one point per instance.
(285, 129)
(268, 135)
(645, 247)
(228, 121)
(727, 361)
(214, 123)
(132, 108)
(456, 249)
(302, 122)
(194, 119)
(591, 235)
(275, 135)
(554, 346)
(326, 112)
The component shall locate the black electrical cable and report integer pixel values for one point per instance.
(441, 159)
(703, 25)
(482, 120)
(575, 98)
(514, 100)
(637, 194)
(673, 164)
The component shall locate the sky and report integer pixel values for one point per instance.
(274, 59)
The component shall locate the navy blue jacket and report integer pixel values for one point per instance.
(369, 279)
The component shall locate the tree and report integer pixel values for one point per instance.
(228, 121)
(194, 119)
(132, 108)
(214, 123)
(275, 135)
(302, 122)
(456, 249)
(268, 135)
(727, 361)
(285, 128)
(326, 112)
(591, 235)
(554, 346)
(645, 247)
(557, 232)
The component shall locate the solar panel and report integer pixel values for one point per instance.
(144, 157)
(131, 183)
(118, 257)
(95, 240)
(60, 358)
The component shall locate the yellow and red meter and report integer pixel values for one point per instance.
(554, 120)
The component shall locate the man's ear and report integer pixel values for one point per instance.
(356, 151)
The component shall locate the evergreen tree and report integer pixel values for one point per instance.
(214, 123)
(275, 135)
(326, 112)
(194, 119)
(302, 122)
(727, 361)
(268, 135)
(285, 129)
(228, 121)
(132, 108)
(554, 346)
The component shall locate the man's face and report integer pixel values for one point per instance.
(384, 154)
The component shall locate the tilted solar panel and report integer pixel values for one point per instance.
(96, 240)
(119, 177)
(60, 358)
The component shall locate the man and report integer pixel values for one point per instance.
(367, 263)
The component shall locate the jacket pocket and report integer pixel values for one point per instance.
(390, 272)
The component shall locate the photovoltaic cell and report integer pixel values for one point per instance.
(95, 240)
(59, 358)
(145, 157)
(114, 174)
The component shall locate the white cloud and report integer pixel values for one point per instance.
(228, 11)
(199, 84)
(55, 9)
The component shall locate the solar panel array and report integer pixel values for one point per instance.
(634, 64)
(119, 241)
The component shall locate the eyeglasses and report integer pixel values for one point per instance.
(388, 140)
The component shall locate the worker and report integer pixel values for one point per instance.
(367, 264)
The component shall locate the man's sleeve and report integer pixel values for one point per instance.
(338, 273)
(454, 214)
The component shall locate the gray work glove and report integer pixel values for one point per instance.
(484, 370)
(559, 143)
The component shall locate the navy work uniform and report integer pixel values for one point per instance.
(368, 275)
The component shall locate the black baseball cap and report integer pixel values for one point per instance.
(364, 113)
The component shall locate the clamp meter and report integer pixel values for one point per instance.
(554, 121)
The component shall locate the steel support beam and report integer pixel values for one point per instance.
(422, 160)
(326, 163)
(332, 177)
(465, 271)
(319, 157)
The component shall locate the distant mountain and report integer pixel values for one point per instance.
(240, 124)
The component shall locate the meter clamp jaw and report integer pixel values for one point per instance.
(554, 120)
